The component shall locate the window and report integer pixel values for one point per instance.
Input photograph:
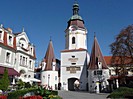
(30, 64)
(20, 60)
(73, 56)
(15, 61)
(29, 76)
(0, 34)
(55, 77)
(31, 50)
(73, 63)
(23, 62)
(96, 60)
(25, 76)
(95, 73)
(26, 62)
(10, 40)
(22, 45)
(73, 40)
(8, 57)
(99, 72)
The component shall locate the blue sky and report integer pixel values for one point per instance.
(44, 18)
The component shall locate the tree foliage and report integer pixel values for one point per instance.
(122, 50)
(4, 82)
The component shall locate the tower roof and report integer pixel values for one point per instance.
(96, 57)
(49, 57)
(76, 19)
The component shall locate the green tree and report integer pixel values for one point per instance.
(4, 82)
(20, 84)
(122, 51)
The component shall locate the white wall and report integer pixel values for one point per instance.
(93, 79)
(81, 61)
(80, 39)
(49, 78)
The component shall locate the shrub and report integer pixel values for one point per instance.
(121, 92)
(20, 93)
(54, 97)
(54, 92)
(4, 82)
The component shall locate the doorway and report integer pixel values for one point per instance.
(71, 83)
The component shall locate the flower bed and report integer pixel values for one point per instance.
(31, 97)
(3, 97)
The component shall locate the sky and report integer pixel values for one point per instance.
(43, 19)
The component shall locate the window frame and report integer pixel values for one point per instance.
(9, 60)
(10, 40)
(1, 35)
(73, 40)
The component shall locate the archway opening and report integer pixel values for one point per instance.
(71, 84)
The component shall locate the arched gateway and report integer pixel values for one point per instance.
(71, 82)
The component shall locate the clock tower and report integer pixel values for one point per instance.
(76, 32)
(75, 57)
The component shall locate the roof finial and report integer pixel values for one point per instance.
(75, 1)
(75, 8)
(50, 38)
(1, 25)
(94, 34)
(23, 29)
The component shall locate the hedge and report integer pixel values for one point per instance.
(121, 92)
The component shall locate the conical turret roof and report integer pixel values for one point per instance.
(49, 57)
(96, 57)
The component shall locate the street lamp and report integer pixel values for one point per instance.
(48, 79)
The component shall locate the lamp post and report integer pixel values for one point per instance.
(48, 79)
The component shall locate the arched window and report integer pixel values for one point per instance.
(73, 40)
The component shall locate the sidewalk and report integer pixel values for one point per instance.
(81, 95)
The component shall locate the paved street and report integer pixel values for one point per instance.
(81, 95)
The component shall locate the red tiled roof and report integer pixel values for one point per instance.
(11, 71)
(108, 59)
(96, 56)
(127, 60)
(49, 57)
(119, 77)
(76, 22)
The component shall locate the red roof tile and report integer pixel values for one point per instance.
(127, 60)
(96, 56)
(49, 57)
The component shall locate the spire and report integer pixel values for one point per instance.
(1, 25)
(75, 8)
(49, 57)
(50, 38)
(94, 34)
(76, 19)
(23, 29)
(96, 57)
